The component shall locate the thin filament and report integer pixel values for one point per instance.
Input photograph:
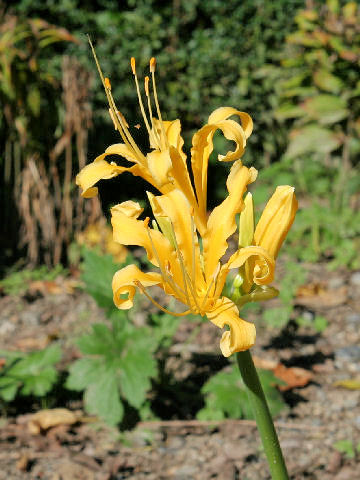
(213, 280)
(158, 141)
(124, 132)
(142, 288)
(142, 107)
(158, 108)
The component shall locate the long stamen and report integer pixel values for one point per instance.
(107, 87)
(146, 84)
(213, 280)
(193, 233)
(142, 288)
(124, 127)
(123, 130)
(133, 68)
(185, 274)
(165, 276)
(152, 70)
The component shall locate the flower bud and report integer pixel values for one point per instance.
(276, 220)
(246, 224)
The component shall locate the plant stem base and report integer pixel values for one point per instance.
(263, 417)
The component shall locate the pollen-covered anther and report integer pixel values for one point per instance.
(107, 83)
(152, 64)
(133, 65)
(146, 83)
(146, 222)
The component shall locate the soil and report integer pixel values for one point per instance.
(320, 413)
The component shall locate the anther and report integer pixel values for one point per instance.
(147, 86)
(132, 62)
(107, 83)
(146, 222)
(152, 64)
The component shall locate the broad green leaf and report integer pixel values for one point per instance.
(98, 271)
(310, 139)
(327, 81)
(136, 372)
(8, 388)
(99, 342)
(102, 398)
(226, 397)
(40, 384)
(327, 109)
(35, 362)
(83, 372)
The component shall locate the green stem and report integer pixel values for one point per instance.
(262, 416)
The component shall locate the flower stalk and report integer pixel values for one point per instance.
(262, 416)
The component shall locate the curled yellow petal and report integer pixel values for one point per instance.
(127, 230)
(221, 223)
(98, 170)
(129, 208)
(276, 220)
(124, 284)
(241, 335)
(263, 273)
(223, 113)
(202, 147)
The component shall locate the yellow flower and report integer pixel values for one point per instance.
(188, 272)
(165, 166)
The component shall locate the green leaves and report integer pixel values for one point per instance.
(118, 367)
(326, 109)
(98, 271)
(225, 395)
(30, 374)
(311, 139)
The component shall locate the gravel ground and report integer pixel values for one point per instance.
(320, 413)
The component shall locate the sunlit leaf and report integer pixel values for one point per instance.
(311, 138)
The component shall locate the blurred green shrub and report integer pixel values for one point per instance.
(319, 83)
(209, 54)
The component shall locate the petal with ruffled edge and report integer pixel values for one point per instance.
(98, 170)
(276, 220)
(221, 223)
(125, 281)
(202, 147)
(264, 270)
(223, 113)
(241, 335)
(127, 230)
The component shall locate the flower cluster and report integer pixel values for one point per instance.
(183, 241)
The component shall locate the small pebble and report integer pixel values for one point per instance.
(355, 279)
(353, 318)
(335, 282)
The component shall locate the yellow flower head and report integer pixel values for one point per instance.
(190, 270)
(164, 166)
